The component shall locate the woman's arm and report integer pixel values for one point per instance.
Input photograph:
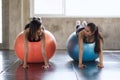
(44, 51)
(100, 65)
(26, 49)
(80, 43)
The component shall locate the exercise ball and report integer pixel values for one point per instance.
(35, 51)
(73, 49)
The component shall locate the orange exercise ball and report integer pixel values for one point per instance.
(35, 52)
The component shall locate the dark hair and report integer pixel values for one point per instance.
(94, 28)
(33, 26)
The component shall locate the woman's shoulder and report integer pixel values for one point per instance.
(81, 33)
(26, 31)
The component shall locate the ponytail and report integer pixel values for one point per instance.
(97, 41)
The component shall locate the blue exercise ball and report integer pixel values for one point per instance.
(73, 49)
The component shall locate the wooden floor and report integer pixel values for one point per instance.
(62, 67)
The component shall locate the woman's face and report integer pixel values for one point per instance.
(88, 32)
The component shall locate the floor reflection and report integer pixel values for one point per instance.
(91, 72)
(33, 72)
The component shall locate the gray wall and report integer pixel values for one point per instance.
(5, 24)
(18, 16)
(63, 27)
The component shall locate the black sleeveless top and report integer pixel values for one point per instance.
(34, 40)
(85, 40)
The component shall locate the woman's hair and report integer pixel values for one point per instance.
(33, 26)
(94, 28)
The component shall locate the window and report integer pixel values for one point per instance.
(1, 21)
(47, 7)
(93, 8)
(79, 8)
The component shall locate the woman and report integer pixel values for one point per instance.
(90, 34)
(34, 32)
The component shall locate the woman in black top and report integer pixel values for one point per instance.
(34, 32)
(90, 34)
